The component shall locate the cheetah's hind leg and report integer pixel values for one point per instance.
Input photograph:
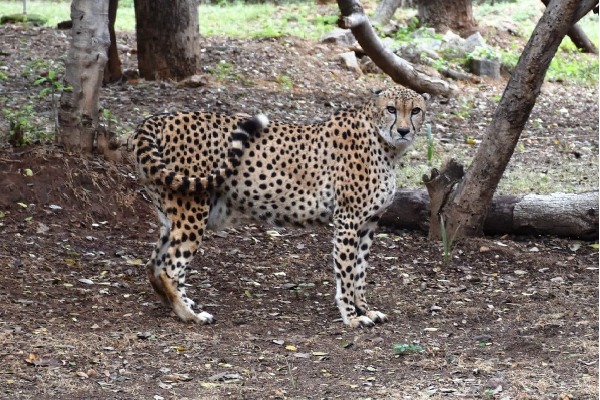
(170, 262)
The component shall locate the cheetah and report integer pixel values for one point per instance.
(204, 169)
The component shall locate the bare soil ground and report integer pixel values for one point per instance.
(508, 318)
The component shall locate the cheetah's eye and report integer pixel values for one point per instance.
(415, 111)
(391, 110)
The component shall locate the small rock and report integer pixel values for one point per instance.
(447, 390)
(225, 376)
(534, 249)
(42, 228)
(350, 62)
(483, 338)
(474, 41)
(194, 81)
(486, 67)
(484, 249)
(145, 335)
(520, 272)
(340, 36)
(368, 66)
(558, 279)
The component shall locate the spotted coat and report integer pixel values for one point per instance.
(205, 169)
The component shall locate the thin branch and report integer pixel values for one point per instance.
(400, 70)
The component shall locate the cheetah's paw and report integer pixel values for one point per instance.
(360, 321)
(376, 316)
(203, 318)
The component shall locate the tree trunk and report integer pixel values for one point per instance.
(444, 15)
(112, 71)
(385, 11)
(167, 38)
(78, 113)
(578, 37)
(559, 214)
(401, 71)
(464, 207)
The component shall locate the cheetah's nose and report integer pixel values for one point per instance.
(403, 131)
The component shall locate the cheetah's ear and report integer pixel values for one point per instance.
(426, 96)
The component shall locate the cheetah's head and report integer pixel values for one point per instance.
(398, 115)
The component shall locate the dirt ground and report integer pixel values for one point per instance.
(507, 318)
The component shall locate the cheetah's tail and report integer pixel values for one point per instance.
(159, 174)
(237, 140)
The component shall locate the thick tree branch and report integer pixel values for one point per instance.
(584, 7)
(401, 71)
(578, 37)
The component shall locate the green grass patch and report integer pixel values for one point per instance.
(265, 20)
(226, 19)
(524, 12)
(568, 65)
(519, 178)
(403, 349)
(57, 11)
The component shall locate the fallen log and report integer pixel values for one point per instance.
(558, 214)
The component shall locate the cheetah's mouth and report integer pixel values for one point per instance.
(403, 139)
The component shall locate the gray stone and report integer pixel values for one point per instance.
(486, 67)
(350, 62)
(453, 45)
(423, 33)
(390, 43)
(339, 36)
(474, 41)
(193, 81)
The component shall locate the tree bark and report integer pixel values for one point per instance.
(167, 38)
(112, 71)
(444, 15)
(78, 113)
(465, 207)
(578, 37)
(401, 71)
(558, 214)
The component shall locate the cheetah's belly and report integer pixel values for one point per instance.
(240, 205)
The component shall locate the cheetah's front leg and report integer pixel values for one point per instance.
(349, 264)
(362, 261)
